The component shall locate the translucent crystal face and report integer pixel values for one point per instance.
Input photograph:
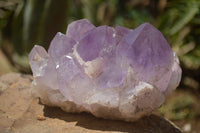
(110, 72)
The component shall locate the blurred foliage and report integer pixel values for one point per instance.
(182, 105)
(24, 23)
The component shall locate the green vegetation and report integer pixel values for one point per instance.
(24, 23)
(182, 106)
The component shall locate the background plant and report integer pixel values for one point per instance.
(24, 23)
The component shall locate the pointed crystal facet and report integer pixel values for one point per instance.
(91, 44)
(43, 67)
(121, 32)
(150, 56)
(61, 45)
(76, 30)
(37, 59)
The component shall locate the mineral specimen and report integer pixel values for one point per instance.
(113, 73)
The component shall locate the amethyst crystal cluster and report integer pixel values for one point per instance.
(114, 73)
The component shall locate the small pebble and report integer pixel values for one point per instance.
(41, 118)
(187, 127)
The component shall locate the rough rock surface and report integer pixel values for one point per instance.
(20, 112)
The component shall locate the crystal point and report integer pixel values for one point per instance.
(60, 46)
(113, 73)
(150, 55)
(77, 29)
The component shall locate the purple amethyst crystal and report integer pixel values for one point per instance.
(114, 73)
